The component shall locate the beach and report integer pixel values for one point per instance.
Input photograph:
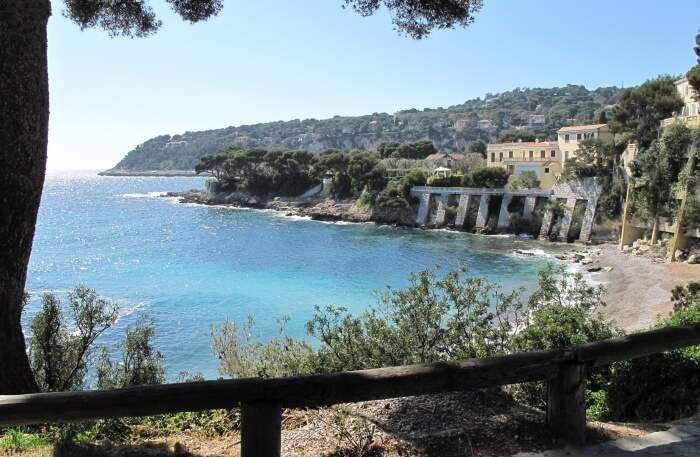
(638, 290)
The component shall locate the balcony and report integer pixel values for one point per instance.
(692, 122)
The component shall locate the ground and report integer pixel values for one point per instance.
(638, 288)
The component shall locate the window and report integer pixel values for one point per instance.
(546, 170)
(553, 153)
(510, 154)
(493, 157)
(500, 156)
(566, 138)
(578, 136)
(542, 154)
(530, 155)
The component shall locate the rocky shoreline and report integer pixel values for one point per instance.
(320, 209)
(154, 173)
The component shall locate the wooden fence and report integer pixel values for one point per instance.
(262, 400)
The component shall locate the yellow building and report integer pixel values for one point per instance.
(690, 114)
(569, 138)
(545, 158)
(541, 157)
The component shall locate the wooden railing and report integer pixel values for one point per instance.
(262, 400)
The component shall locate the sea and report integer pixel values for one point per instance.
(191, 267)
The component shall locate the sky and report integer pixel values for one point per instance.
(268, 60)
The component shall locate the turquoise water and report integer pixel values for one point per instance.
(190, 266)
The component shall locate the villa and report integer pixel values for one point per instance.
(544, 158)
(690, 114)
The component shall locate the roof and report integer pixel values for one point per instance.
(529, 144)
(576, 128)
(442, 155)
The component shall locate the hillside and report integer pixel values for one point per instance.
(450, 129)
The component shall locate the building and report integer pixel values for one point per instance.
(535, 121)
(690, 114)
(444, 159)
(544, 158)
(485, 124)
(541, 157)
(569, 138)
(461, 124)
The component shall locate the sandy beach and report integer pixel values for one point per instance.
(638, 289)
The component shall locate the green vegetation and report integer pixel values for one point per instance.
(560, 105)
(489, 177)
(417, 150)
(525, 180)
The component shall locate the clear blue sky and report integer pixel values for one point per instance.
(267, 60)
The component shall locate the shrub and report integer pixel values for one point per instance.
(394, 195)
(444, 181)
(662, 386)
(60, 347)
(489, 177)
(525, 180)
(139, 363)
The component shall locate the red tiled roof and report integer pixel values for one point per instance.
(442, 155)
(576, 128)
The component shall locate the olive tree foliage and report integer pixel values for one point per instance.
(641, 109)
(61, 344)
(525, 180)
(445, 317)
(693, 74)
(138, 362)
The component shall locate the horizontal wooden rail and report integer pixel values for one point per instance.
(565, 369)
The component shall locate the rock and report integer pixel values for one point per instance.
(680, 255)
(694, 258)
(578, 257)
(561, 257)
(608, 269)
(594, 269)
(626, 248)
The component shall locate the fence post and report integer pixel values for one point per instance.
(566, 403)
(261, 429)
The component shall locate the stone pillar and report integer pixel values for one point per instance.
(462, 210)
(441, 210)
(422, 217)
(504, 215)
(547, 220)
(529, 207)
(588, 219)
(482, 216)
(567, 218)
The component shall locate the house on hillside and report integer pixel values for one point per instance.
(485, 124)
(444, 159)
(541, 157)
(569, 138)
(690, 113)
(545, 158)
(535, 121)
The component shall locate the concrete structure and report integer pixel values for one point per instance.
(571, 193)
(690, 113)
(541, 157)
(535, 121)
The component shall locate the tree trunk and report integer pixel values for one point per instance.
(24, 121)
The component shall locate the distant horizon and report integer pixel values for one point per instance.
(318, 61)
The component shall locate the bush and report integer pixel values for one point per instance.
(139, 363)
(444, 181)
(662, 386)
(488, 177)
(61, 348)
(525, 180)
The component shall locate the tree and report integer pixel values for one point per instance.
(640, 110)
(60, 350)
(603, 117)
(24, 117)
(478, 147)
(513, 136)
(525, 180)
(693, 74)
(489, 177)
